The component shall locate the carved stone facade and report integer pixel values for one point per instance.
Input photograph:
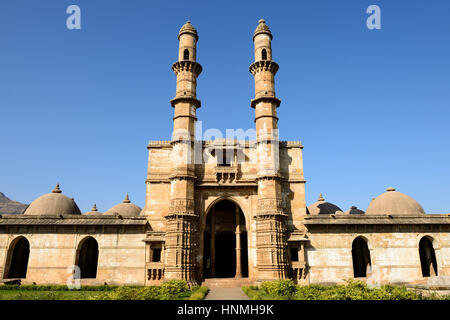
(230, 208)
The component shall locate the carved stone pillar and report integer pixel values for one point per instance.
(238, 244)
(213, 242)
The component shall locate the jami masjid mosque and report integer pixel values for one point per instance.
(223, 216)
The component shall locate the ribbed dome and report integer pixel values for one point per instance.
(188, 28)
(322, 207)
(354, 210)
(262, 28)
(93, 211)
(53, 203)
(394, 203)
(126, 209)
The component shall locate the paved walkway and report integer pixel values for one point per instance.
(226, 294)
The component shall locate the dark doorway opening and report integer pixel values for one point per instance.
(225, 241)
(361, 258)
(17, 259)
(427, 258)
(87, 258)
(225, 255)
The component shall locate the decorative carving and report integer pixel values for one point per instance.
(187, 65)
(183, 206)
(226, 174)
(268, 205)
(263, 65)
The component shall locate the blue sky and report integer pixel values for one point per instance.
(371, 107)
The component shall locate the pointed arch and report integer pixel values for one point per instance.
(361, 257)
(87, 258)
(427, 256)
(264, 54)
(225, 240)
(17, 259)
(186, 54)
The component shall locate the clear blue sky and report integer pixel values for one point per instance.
(371, 107)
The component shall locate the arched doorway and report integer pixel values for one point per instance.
(17, 259)
(87, 258)
(225, 242)
(361, 258)
(427, 257)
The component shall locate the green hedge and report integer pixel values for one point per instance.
(169, 290)
(352, 290)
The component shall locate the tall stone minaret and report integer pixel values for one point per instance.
(270, 217)
(182, 221)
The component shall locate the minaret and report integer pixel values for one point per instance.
(182, 221)
(270, 217)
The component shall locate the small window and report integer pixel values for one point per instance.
(264, 54)
(156, 255)
(186, 54)
(294, 254)
(223, 158)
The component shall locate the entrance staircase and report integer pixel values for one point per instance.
(227, 282)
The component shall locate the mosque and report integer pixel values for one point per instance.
(225, 209)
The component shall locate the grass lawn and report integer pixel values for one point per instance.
(47, 295)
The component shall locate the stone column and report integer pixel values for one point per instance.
(238, 244)
(213, 242)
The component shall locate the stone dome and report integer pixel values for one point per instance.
(126, 209)
(54, 203)
(262, 28)
(354, 210)
(394, 203)
(188, 28)
(323, 207)
(93, 211)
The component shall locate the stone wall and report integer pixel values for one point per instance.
(394, 257)
(121, 255)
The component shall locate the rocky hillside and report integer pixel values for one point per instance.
(8, 206)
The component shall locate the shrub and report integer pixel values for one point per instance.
(131, 293)
(279, 289)
(199, 293)
(173, 289)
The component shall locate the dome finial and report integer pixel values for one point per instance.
(127, 200)
(262, 28)
(188, 28)
(56, 190)
(94, 207)
(390, 189)
(321, 197)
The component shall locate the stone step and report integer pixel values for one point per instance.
(227, 282)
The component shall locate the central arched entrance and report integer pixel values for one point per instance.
(225, 242)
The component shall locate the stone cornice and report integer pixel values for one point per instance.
(376, 219)
(271, 99)
(186, 99)
(187, 65)
(100, 219)
(263, 65)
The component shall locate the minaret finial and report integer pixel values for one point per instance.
(56, 190)
(127, 200)
(321, 197)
